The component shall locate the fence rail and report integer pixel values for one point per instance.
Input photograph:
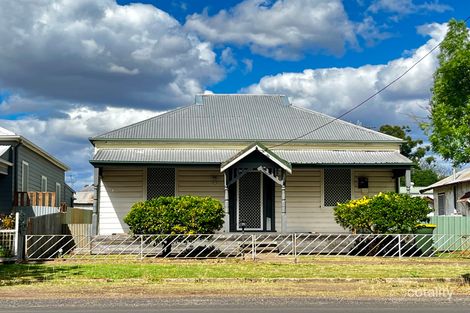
(247, 246)
(34, 198)
(9, 239)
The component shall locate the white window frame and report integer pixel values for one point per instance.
(24, 176)
(43, 183)
(439, 195)
(323, 187)
(57, 193)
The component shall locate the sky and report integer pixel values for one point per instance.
(70, 70)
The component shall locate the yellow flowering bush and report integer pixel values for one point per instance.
(383, 213)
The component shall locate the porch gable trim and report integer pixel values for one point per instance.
(262, 149)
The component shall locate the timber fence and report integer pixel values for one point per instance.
(246, 246)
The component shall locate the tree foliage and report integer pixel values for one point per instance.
(422, 173)
(385, 213)
(449, 129)
(411, 148)
(176, 215)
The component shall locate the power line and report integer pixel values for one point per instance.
(367, 99)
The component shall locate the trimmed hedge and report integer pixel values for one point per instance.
(385, 213)
(176, 215)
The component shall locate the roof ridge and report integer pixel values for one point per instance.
(334, 119)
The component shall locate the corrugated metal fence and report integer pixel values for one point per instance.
(448, 226)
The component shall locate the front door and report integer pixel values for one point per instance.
(250, 202)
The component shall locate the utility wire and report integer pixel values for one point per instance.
(367, 99)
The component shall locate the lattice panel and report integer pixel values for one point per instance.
(249, 200)
(337, 186)
(160, 182)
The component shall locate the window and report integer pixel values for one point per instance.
(43, 183)
(336, 186)
(57, 194)
(24, 176)
(160, 182)
(441, 203)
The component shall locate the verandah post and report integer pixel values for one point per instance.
(226, 205)
(17, 233)
(283, 208)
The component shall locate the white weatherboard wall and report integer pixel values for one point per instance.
(200, 182)
(122, 187)
(304, 187)
(380, 180)
(119, 189)
(450, 209)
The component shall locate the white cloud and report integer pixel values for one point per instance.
(100, 53)
(335, 90)
(228, 59)
(282, 29)
(66, 137)
(248, 65)
(405, 7)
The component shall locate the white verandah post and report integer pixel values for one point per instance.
(283, 204)
(408, 181)
(226, 205)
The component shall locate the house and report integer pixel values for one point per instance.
(241, 150)
(415, 191)
(452, 194)
(83, 199)
(25, 167)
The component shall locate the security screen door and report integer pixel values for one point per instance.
(250, 201)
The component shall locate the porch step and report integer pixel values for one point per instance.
(260, 247)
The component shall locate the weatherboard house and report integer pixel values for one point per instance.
(239, 149)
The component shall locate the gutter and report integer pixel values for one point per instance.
(37, 149)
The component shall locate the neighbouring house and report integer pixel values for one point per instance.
(415, 191)
(240, 150)
(83, 199)
(452, 194)
(25, 167)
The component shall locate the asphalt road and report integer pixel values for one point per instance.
(234, 305)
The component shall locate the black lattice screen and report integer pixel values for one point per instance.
(337, 186)
(249, 200)
(160, 182)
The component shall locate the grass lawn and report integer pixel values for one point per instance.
(206, 277)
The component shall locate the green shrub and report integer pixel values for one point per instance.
(385, 213)
(176, 215)
(4, 252)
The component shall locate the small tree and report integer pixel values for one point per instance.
(385, 213)
(449, 127)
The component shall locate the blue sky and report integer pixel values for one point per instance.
(70, 70)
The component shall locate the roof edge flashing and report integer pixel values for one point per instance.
(198, 99)
(285, 100)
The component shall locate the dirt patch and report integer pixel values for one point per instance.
(142, 289)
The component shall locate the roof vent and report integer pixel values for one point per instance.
(285, 101)
(198, 100)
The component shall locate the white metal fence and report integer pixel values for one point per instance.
(247, 246)
(9, 239)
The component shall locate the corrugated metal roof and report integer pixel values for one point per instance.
(245, 118)
(460, 177)
(217, 156)
(4, 148)
(6, 132)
